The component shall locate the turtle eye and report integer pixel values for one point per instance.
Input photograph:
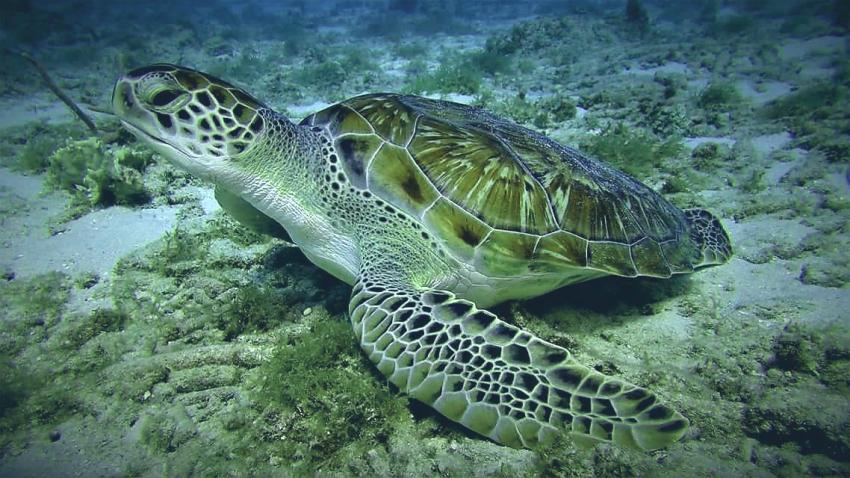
(165, 97)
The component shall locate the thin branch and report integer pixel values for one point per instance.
(55, 89)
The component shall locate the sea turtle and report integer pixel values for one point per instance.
(432, 211)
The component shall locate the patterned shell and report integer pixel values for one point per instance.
(501, 196)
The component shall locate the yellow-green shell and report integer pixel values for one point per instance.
(503, 197)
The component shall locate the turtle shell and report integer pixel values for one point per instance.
(502, 197)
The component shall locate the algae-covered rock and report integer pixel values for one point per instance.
(559, 107)
(97, 176)
(81, 330)
(825, 272)
(815, 99)
(785, 415)
(664, 119)
(14, 385)
(164, 430)
(719, 96)
(797, 349)
(710, 155)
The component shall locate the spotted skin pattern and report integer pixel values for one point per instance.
(432, 210)
(495, 379)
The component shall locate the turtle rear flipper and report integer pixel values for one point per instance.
(495, 379)
(710, 236)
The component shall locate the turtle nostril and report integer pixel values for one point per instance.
(128, 98)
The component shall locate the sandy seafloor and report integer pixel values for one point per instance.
(119, 352)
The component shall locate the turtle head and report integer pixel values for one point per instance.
(196, 120)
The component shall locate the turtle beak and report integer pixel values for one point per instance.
(123, 100)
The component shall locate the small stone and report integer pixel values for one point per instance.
(55, 436)
(307, 311)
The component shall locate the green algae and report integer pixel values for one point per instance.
(98, 322)
(40, 299)
(711, 156)
(34, 157)
(718, 96)
(453, 75)
(816, 113)
(253, 308)
(332, 70)
(663, 118)
(631, 150)
(33, 144)
(165, 430)
(797, 349)
(33, 308)
(15, 385)
(812, 100)
(521, 110)
(324, 379)
(558, 108)
(30, 307)
(532, 36)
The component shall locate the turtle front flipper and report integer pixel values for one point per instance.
(495, 379)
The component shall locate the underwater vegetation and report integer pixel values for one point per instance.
(816, 115)
(97, 176)
(460, 73)
(717, 96)
(321, 387)
(632, 151)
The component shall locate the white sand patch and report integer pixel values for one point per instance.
(752, 236)
(777, 171)
(698, 84)
(840, 181)
(694, 142)
(306, 110)
(458, 98)
(770, 142)
(764, 92)
(816, 55)
(817, 72)
(673, 67)
(206, 197)
(776, 285)
(92, 243)
(831, 45)
(776, 282)
(17, 111)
